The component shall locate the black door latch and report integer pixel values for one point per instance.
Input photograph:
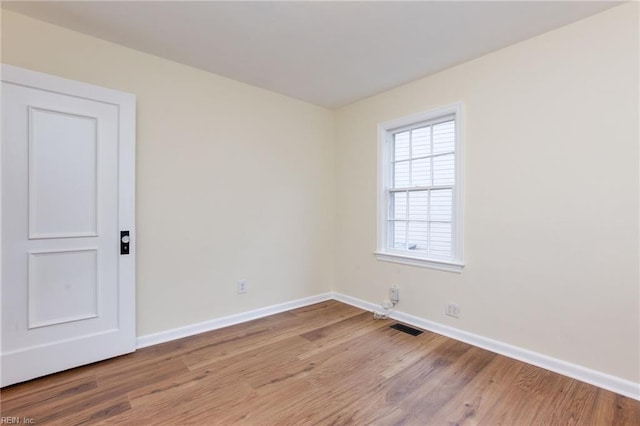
(124, 242)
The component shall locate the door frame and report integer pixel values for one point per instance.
(126, 104)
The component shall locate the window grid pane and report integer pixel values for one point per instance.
(421, 172)
(401, 177)
(443, 137)
(399, 234)
(401, 146)
(419, 204)
(443, 169)
(417, 236)
(398, 206)
(421, 142)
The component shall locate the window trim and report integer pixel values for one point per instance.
(385, 134)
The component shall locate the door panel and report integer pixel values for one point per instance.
(62, 287)
(67, 191)
(63, 169)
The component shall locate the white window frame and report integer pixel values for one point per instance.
(385, 144)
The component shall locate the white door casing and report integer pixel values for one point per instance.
(68, 187)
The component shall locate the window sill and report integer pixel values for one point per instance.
(441, 265)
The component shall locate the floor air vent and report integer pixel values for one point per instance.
(406, 329)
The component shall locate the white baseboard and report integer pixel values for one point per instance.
(615, 384)
(214, 324)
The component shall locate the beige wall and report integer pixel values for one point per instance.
(551, 196)
(232, 181)
(236, 182)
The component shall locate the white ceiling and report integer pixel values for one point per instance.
(326, 53)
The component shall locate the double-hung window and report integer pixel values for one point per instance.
(420, 189)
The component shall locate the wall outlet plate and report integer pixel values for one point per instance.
(242, 286)
(453, 310)
(394, 294)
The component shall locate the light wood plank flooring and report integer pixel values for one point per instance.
(327, 363)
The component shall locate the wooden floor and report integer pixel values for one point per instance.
(327, 363)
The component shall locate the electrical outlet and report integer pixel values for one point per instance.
(453, 310)
(394, 294)
(242, 286)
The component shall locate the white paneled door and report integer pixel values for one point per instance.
(68, 279)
